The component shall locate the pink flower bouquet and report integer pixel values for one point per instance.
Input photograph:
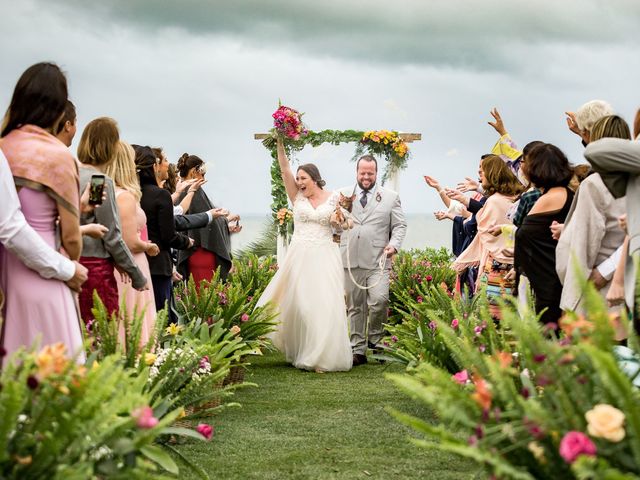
(287, 122)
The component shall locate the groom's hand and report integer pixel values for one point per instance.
(390, 250)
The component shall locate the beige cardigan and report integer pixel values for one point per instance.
(591, 234)
(484, 244)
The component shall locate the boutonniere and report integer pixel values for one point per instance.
(378, 197)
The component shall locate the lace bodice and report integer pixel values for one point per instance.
(312, 224)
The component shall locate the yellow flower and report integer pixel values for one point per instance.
(173, 329)
(235, 329)
(95, 366)
(182, 413)
(63, 389)
(149, 358)
(536, 450)
(23, 460)
(605, 421)
(52, 359)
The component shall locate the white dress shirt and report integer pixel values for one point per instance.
(22, 240)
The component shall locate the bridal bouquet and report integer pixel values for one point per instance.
(287, 122)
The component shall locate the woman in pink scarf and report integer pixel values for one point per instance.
(46, 176)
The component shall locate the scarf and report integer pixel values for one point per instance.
(40, 161)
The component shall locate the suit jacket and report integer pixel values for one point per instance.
(379, 224)
(618, 163)
(191, 221)
(157, 205)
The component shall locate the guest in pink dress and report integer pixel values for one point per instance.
(46, 175)
(133, 222)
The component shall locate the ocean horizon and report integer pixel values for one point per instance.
(423, 230)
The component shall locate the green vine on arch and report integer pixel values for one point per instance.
(385, 144)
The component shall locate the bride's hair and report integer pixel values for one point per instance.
(186, 163)
(314, 173)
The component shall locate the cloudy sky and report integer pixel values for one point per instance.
(202, 76)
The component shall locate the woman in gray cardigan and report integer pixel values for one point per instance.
(100, 256)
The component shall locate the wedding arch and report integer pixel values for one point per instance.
(387, 145)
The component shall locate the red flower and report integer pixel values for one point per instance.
(574, 444)
(205, 430)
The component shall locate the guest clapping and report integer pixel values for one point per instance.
(156, 203)
(134, 232)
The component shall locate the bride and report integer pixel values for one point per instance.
(308, 289)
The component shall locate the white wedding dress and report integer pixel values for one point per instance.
(308, 292)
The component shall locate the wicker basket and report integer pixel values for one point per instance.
(184, 423)
(235, 376)
(214, 402)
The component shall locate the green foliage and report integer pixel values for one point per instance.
(515, 402)
(232, 303)
(414, 272)
(62, 421)
(120, 332)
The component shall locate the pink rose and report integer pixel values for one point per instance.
(144, 417)
(244, 317)
(461, 377)
(454, 323)
(574, 444)
(205, 430)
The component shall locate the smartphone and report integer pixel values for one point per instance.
(96, 189)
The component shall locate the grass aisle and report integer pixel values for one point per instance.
(307, 425)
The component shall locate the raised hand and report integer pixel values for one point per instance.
(498, 125)
(457, 195)
(184, 184)
(85, 206)
(573, 126)
(197, 183)
(468, 185)
(440, 214)
(432, 182)
(219, 212)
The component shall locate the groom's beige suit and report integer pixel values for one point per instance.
(378, 224)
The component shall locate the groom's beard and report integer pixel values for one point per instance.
(367, 189)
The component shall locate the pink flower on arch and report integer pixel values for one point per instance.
(574, 444)
(244, 317)
(454, 323)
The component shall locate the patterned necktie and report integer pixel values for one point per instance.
(363, 200)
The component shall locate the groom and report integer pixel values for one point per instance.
(379, 229)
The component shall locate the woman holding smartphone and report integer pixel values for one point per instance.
(212, 247)
(96, 151)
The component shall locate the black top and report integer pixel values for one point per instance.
(157, 205)
(535, 256)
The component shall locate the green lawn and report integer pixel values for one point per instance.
(307, 425)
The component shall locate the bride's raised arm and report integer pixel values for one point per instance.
(285, 170)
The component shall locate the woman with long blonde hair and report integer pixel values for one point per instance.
(133, 222)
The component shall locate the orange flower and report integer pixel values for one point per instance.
(482, 396)
(52, 359)
(580, 324)
(504, 358)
